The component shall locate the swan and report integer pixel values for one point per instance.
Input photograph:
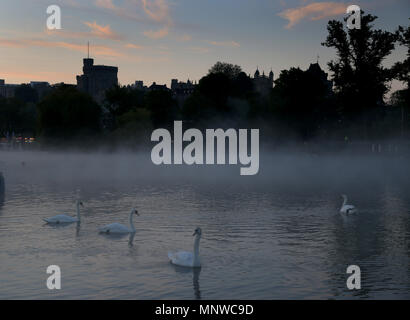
(347, 208)
(188, 259)
(2, 184)
(63, 218)
(117, 228)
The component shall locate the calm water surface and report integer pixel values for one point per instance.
(275, 236)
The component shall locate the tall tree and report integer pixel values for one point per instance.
(301, 101)
(401, 70)
(26, 93)
(68, 113)
(359, 77)
(228, 69)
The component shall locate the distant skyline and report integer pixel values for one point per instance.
(157, 40)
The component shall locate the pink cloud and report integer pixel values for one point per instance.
(107, 4)
(133, 46)
(98, 50)
(233, 44)
(185, 38)
(102, 31)
(315, 11)
(157, 10)
(157, 34)
(96, 31)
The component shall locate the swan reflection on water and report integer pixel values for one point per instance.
(1, 201)
(195, 278)
(63, 226)
(2, 190)
(131, 239)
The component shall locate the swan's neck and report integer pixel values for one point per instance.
(131, 222)
(196, 250)
(78, 211)
(344, 201)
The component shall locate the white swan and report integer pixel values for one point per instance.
(347, 208)
(63, 218)
(116, 228)
(188, 259)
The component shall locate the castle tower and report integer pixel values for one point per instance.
(257, 73)
(271, 77)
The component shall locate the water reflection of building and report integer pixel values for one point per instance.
(96, 79)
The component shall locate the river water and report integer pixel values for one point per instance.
(277, 235)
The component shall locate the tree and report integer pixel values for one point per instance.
(121, 99)
(228, 69)
(401, 70)
(68, 113)
(360, 80)
(162, 107)
(134, 127)
(26, 93)
(224, 96)
(17, 116)
(301, 100)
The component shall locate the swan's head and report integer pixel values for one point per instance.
(198, 232)
(80, 203)
(135, 211)
(344, 196)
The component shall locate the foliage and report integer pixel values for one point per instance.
(68, 113)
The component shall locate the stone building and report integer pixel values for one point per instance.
(182, 90)
(7, 90)
(96, 79)
(263, 83)
(317, 71)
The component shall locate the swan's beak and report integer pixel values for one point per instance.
(136, 212)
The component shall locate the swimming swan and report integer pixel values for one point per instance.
(116, 228)
(347, 208)
(63, 218)
(188, 259)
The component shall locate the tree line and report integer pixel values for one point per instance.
(301, 106)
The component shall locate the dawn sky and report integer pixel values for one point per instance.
(157, 40)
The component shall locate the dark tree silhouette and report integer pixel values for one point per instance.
(301, 100)
(26, 93)
(121, 99)
(68, 113)
(228, 69)
(220, 98)
(360, 80)
(162, 106)
(16, 116)
(401, 70)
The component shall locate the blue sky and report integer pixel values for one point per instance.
(157, 40)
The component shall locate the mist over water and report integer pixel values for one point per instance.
(276, 235)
